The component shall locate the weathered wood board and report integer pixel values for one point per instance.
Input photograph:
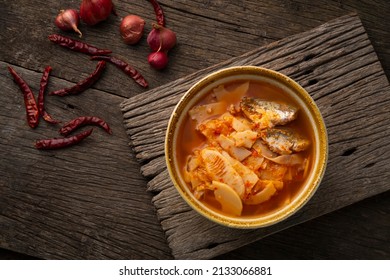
(338, 66)
(85, 202)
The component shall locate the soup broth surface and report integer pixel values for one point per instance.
(194, 136)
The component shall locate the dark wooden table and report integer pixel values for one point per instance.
(89, 201)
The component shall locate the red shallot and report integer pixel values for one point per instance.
(158, 60)
(95, 11)
(132, 29)
(68, 20)
(161, 38)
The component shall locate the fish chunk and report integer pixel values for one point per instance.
(284, 141)
(267, 114)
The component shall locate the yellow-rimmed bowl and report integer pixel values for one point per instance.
(256, 74)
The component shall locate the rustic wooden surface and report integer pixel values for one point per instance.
(90, 201)
(337, 65)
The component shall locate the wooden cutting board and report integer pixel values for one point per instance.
(338, 66)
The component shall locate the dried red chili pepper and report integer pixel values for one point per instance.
(84, 84)
(29, 99)
(77, 45)
(125, 67)
(159, 12)
(56, 143)
(81, 121)
(41, 94)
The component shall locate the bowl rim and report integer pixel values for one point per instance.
(258, 221)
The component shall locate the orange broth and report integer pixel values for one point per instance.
(189, 139)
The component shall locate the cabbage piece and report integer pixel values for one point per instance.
(222, 94)
(240, 124)
(294, 159)
(201, 113)
(193, 162)
(278, 185)
(265, 194)
(244, 138)
(289, 175)
(228, 145)
(219, 91)
(214, 127)
(254, 161)
(306, 168)
(273, 172)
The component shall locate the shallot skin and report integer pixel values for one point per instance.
(68, 20)
(95, 11)
(158, 60)
(161, 38)
(132, 29)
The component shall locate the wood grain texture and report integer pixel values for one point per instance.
(338, 66)
(352, 229)
(88, 198)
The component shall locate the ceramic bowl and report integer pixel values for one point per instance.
(290, 87)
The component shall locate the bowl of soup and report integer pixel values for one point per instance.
(246, 147)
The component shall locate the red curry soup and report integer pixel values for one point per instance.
(245, 149)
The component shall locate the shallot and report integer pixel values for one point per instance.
(158, 60)
(68, 20)
(161, 38)
(95, 11)
(132, 29)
